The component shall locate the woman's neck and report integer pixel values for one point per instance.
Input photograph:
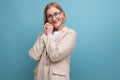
(59, 28)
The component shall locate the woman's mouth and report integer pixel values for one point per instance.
(54, 22)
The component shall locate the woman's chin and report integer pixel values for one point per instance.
(56, 25)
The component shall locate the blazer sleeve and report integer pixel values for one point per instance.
(58, 51)
(36, 51)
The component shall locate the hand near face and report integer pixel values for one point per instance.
(48, 28)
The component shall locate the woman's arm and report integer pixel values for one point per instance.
(36, 51)
(58, 51)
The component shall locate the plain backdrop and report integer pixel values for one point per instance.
(97, 23)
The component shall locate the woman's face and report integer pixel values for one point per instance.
(54, 17)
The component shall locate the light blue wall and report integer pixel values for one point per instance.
(97, 22)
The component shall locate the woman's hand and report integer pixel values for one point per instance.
(48, 28)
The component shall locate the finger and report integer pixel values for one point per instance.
(45, 29)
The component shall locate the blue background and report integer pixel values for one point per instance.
(97, 23)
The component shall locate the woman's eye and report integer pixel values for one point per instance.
(55, 14)
(49, 16)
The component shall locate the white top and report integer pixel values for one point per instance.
(55, 34)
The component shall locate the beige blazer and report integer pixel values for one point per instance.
(53, 55)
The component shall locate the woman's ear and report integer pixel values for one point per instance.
(62, 14)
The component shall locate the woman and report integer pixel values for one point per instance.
(54, 46)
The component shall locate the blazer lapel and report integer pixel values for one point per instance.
(62, 34)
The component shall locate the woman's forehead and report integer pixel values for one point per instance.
(52, 10)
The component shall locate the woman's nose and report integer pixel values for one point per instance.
(54, 18)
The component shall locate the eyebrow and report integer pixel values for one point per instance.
(53, 13)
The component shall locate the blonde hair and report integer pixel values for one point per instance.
(56, 5)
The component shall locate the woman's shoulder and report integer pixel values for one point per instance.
(41, 35)
(70, 30)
